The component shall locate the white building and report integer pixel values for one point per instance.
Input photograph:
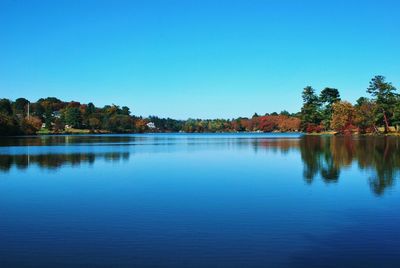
(151, 125)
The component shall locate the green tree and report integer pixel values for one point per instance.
(21, 106)
(37, 110)
(396, 115)
(8, 122)
(8, 125)
(310, 113)
(48, 117)
(125, 110)
(90, 109)
(73, 117)
(328, 97)
(94, 123)
(5, 107)
(362, 100)
(284, 112)
(120, 123)
(365, 111)
(385, 97)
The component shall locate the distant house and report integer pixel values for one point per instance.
(151, 125)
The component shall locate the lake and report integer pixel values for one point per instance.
(199, 200)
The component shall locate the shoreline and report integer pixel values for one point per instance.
(333, 133)
(76, 132)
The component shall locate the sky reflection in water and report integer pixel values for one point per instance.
(322, 157)
(176, 200)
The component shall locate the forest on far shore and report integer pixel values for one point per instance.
(323, 112)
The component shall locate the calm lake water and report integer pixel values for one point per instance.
(199, 200)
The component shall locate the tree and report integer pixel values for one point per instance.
(288, 123)
(31, 125)
(267, 123)
(73, 104)
(365, 111)
(111, 110)
(343, 116)
(48, 117)
(94, 123)
(362, 100)
(8, 125)
(58, 125)
(73, 117)
(34, 121)
(328, 97)
(396, 115)
(90, 109)
(5, 107)
(310, 114)
(38, 110)
(385, 97)
(50, 105)
(284, 112)
(120, 123)
(125, 110)
(21, 106)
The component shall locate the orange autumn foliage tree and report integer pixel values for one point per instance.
(343, 117)
(270, 123)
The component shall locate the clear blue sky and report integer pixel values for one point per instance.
(203, 59)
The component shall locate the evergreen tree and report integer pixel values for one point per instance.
(328, 97)
(73, 117)
(384, 95)
(310, 112)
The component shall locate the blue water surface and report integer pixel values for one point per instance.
(199, 200)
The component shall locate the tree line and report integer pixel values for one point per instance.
(380, 113)
(52, 115)
(56, 116)
(320, 112)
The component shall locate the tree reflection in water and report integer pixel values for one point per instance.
(325, 156)
(55, 161)
(322, 156)
(328, 155)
